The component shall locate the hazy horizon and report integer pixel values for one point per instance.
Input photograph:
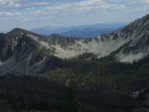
(57, 13)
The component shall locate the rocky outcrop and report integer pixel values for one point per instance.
(18, 48)
(132, 39)
(64, 42)
(18, 53)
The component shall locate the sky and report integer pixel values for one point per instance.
(29, 14)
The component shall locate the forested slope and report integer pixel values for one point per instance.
(100, 85)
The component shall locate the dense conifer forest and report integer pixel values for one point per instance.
(82, 84)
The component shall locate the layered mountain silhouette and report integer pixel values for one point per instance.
(88, 32)
(26, 52)
(83, 31)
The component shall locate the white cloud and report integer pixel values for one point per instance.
(38, 13)
(6, 14)
(10, 14)
(85, 6)
(3, 2)
(145, 2)
(41, 3)
(117, 7)
(140, 9)
(25, 4)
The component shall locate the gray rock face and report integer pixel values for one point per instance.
(18, 48)
(132, 39)
(64, 42)
(18, 53)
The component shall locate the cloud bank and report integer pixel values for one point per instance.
(38, 13)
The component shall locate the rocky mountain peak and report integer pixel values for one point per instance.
(54, 35)
(18, 47)
(56, 39)
(17, 30)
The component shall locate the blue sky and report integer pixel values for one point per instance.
(30, 14)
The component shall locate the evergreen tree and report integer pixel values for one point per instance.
(73, 104)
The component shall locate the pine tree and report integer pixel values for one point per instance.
(73, 104)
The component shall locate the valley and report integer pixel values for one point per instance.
(108, 73)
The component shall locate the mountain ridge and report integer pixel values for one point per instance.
(88, 32)
(18, 48)
(68, 31)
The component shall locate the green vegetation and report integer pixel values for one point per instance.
(102, 86)
(86, 55)
(47, 51)
(108, 77)
(30, 93)
(73, 104)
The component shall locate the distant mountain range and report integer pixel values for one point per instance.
(83, 31)
(19, 49)
(88, 32)
(108, 73)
